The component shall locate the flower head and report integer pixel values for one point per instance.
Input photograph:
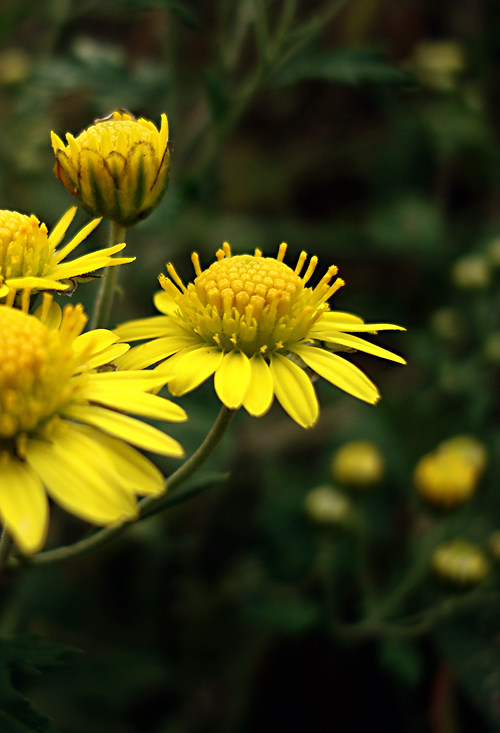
(253, 322)
(460, 563)
(30, 262)
(358, 463)
(118, 167)
(62, 427)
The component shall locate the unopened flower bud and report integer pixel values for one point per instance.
(445, 479)
(471, 273)
(460, 563)
(358, 463)
(469, 448)
(327, 505)
(494, 545)
(117, 168)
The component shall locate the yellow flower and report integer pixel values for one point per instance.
(358, 463)
(460, 562)
(62, 427)
(252, 321)
(30, 262)
(118, 167)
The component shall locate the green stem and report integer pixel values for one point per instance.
(5, 548)
(106, 294)
(146, 506)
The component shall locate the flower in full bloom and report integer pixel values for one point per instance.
(63, 431)
(253, 322)
(30, 262)
(118, 167)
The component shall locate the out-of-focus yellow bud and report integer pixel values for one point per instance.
(460, 563)
(471, 273)
(494, 545)
(438, 63)
(469, 448)
(15, 66)
(327, 505)
(358, 463)
(445, 479)
(491, 349)
(118, 168)
(446, 324)
(494, 252)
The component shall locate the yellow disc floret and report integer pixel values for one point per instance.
(25, 250)
(35, 370)
(253, 304)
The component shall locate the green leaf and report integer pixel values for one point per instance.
(25, 655)
(403, 659)
(348, 66)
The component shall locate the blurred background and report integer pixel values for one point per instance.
(302, 588)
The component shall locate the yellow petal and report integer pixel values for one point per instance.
(353, 342)
(94, 341)
(353, 327)
(82, 234)
(118, 397)
(194, 367)
(91, 262)
(338, 317)
(127, 428)
(136, 471)
(61, 227)
(294, 390)
(24, 508)
(78, 487)
(108, 356)
(35, 283)
(135, 379)
(259, 395)
(52, 318)
(165, 303)
(339, 372)
(144, 328)
(154, 351)
(232, 379)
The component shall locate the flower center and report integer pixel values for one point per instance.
(24, 247)
(251, 303)
(36, 366)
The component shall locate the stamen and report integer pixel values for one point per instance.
(25, 300)
(175, 277)
(258, 253)
(10, 298)
(46, 303)
(220, 255)
(196, 263)
(281, 252)
(300, 263)
(312, 266)
(226, 249)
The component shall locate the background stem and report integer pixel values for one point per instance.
(106, 294)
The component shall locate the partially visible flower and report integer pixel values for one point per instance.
(30, 262)
(446, 479)
(252, 322)
(358, 463)
(326, 505)
(117, 168)
(460, 563)
(62, 427)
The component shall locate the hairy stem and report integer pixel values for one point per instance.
(106, 294)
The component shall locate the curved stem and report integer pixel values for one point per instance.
(106, 294)
(146, 506)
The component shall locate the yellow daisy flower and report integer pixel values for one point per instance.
(29, 260)
(252, 322)
(118, 167)
(63, 431)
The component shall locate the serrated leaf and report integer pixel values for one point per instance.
(348, 66)
(25, 654)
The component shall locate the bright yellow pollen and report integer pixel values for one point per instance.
(24, 247)
(250, 303)
(35, 371)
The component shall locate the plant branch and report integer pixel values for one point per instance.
(147, 506)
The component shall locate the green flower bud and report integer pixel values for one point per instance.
(117, 168)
